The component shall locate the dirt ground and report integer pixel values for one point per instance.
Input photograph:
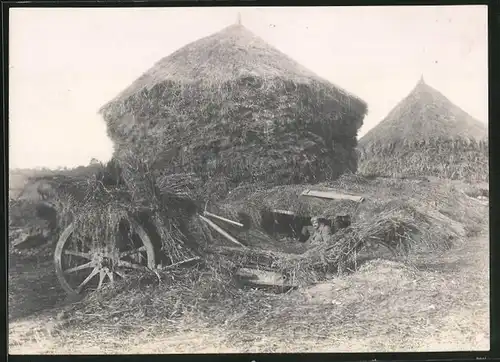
(439, 303)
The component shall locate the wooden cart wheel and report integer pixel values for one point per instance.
(86, 265)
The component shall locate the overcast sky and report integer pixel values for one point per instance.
(66, 63)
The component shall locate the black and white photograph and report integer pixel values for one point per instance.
(248, 180)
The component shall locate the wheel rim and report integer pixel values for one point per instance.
(82, 266)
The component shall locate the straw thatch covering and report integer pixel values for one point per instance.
(426, 134)
(232, 109)
(399, 214)
(427, 214)
(101, 199)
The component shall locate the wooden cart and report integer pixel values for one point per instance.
(83, 265)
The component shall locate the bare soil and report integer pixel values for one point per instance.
(33, 285)
(434, 303)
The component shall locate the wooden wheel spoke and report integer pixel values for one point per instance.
(110, 276)
(131, 252)
(94, 272)
(129, 265)
(102, 276)
(90, 264)
(137, 257)
(77, 253)
(120, 274)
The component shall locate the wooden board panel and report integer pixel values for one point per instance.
(262, 277)
(333, 195)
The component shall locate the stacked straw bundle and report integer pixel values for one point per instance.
(399, 228)
(426, 134)
(253, 200)
(130, 190)
(232, 110)
(43, 202)
(399, 213)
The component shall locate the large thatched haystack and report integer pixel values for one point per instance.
(232, 109)
(426, 134)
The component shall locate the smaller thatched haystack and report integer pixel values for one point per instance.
(232, 109)
(426, 134)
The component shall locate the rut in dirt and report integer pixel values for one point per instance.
(33, 286)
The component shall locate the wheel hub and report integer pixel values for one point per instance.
(106, 262)
(105, 259)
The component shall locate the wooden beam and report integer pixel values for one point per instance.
(221, 231)
(263, 278)
(286, 212)
(206, 213)
(333, 195)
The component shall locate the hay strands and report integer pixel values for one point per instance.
(251, 258)
(235, 223)
(333, 195)
(183, 262)
(221, 231)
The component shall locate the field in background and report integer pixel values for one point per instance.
(19, 178)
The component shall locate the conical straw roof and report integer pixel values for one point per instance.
(230, 54)
(426, 135)
(424, 114)
(234, 110)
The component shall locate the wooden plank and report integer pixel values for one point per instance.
(333, 195)
(206, 213)
(247, 275)
(286, 212)
(259, 273)
(221, 231)
(260, 282)
(263, 278)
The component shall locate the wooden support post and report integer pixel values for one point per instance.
(206, 213)
(221, 231)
